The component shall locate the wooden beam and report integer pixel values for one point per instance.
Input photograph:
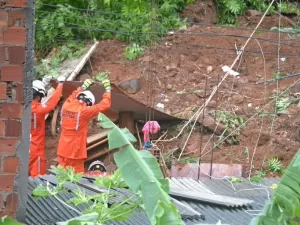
(97, 155)
(96, 137)
(97, 144)
(126, 120)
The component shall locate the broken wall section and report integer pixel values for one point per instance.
(16, 60)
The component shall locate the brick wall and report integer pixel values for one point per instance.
(16, 60)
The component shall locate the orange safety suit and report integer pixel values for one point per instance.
(75, 118)
(37, 159)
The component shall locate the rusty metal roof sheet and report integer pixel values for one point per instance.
(120, 101)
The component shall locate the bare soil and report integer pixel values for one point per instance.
(187, 64)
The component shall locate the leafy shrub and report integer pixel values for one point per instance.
(284, 207)
(275, 165)
(228, 10)
(134, 51)
(58, 21)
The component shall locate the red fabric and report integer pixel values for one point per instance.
(151, 127)
(77, 164)
(97, 174)
(37, 139)
(75, 118)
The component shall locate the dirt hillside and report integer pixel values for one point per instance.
(185, 66)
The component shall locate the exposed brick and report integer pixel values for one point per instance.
(2, 54)
(11, 110)
(7, 182)
(16, 55)
(3, 87)
(11, 204)
(11, 165)
(16, 18)
(17, 3)
(19, 93)
(12, 73)
(14, 36)
(2, 127)
(1, 35)
(13, 128)
(8, 146)
(3, 18)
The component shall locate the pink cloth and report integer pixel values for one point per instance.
(151, 127)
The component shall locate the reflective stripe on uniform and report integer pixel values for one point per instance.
(34, 121)
(39, 165)
(77, 121)
(61, 116)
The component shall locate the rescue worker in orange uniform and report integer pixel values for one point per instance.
(37, 159)
(76, 112)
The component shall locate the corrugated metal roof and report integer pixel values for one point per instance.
(196, 190)
(188, 184)
(49, 210)
(233, 216)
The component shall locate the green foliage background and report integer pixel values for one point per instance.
(59, 21)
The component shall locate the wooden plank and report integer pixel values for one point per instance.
(54, 120)
(96, 137)
(97, 144)
(97, 155)
(126, 120)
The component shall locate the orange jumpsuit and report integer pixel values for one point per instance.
(37, 159)
(75, 118)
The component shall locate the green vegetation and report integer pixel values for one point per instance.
(273, 165)
(259, 175)
(8, 221)
(228, 10)
(141, 172)
(232, 123)
(97, 203)
(134, 51)
(59, 21)
(284, 208)
(138, 170)
(50, 65)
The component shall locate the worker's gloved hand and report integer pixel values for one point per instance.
(61, 79)
(103, 78)
(106, 85)
(87, 83)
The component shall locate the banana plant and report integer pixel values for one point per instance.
(142, 174)
(284, 208)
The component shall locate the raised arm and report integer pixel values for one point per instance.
(50, 104)
(101, 107)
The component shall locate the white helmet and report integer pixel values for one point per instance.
(39, 87)
(87, 97)
(97, 165)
